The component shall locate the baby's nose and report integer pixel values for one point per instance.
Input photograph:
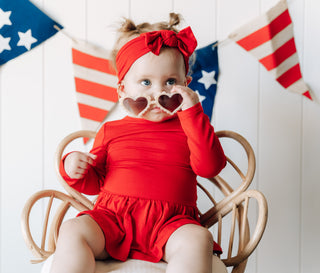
(164, 88)
(158, 90)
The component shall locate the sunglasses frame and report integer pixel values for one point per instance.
(150, 102)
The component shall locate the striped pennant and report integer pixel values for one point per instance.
(270, 39)
(95, 83)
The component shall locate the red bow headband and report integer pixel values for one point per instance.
(153, 41)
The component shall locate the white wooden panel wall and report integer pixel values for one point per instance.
(38, 108)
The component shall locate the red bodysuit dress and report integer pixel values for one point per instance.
(145, 175)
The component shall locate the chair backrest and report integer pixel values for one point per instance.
(232, 210)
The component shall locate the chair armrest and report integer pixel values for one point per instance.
(238, 243)
(58, 204)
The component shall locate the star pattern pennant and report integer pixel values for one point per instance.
(22, 27)
(204, 72)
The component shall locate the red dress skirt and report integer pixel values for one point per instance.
(139, 228)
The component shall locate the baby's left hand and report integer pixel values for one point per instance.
(190, 98)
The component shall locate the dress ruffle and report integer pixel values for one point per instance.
(139, 228)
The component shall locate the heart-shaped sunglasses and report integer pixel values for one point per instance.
(167, 102)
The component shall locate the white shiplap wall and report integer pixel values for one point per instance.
(38, 109)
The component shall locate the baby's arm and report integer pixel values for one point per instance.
(78, 170)
(76, 164)
(86, 172)
(207, 158)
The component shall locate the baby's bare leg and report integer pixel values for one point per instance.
(189, 250)
(80, 241)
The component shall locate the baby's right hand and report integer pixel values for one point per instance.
(76, 164)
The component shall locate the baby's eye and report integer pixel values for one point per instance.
(171, 82)
(146, 82)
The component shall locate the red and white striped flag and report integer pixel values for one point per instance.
(95, 82)
(270, 39)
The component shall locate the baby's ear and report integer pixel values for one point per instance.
(120, 89)
(189, 79)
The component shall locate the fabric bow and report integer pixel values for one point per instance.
(153, 41)
(184, 40)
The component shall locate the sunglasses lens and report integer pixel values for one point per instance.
(170, 103)
(135, 106)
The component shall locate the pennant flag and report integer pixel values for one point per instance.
(204, 72)
(22, 27)
(95, 82)
(270, 39)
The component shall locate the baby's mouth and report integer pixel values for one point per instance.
(156, 109)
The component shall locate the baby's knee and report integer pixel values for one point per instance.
(70, 228)
(203, 237)
(189, 240)
(218, 266)
(194, 237)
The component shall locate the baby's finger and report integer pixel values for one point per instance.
(81, 170)
(87, 158)
(91, 158)
(183, 90)
(78, 176)
(83, 164)
(190, 97)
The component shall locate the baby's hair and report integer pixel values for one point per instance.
(129, 30)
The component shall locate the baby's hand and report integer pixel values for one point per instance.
(190, 98)
(76, 164)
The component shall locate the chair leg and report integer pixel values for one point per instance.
(240, 268)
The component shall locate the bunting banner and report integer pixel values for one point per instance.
(95, 83)
(204, 71)
(270, 39)
(22, 27)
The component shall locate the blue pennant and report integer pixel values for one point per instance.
(204, 71)
(22, 27)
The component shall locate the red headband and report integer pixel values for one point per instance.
(153, 41)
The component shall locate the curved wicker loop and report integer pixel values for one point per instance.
(223, 185)
(59, 153)
(67, 201)
(247, 243)
(255, 237)
(247, 178)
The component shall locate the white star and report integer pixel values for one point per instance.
(4, 43)
(201, 98)
(4, 18)
(207, 78)
(26, 39)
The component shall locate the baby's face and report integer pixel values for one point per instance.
(151, 74)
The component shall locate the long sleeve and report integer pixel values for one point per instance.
(94, 178)
(207, 158)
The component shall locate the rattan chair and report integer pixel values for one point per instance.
(235, 227)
